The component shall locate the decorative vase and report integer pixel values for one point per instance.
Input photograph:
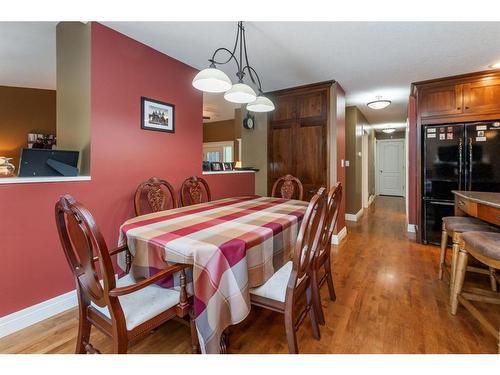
(6, 167)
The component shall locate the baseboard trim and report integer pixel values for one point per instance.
(412, 228)
(26, 317)
(337, 238)
(354, 217)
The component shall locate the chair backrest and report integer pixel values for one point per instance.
(82, 242)
(332, 212)
(154, 195)
(308, 237)
(194, 190)
(286, 185)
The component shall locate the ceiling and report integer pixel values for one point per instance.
(366, 58)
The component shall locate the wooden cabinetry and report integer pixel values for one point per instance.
(473, 97)
(297, 136)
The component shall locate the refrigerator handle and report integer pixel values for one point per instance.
(470, 163)
(460, 163)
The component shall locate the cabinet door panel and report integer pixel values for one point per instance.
(280, 153)
(482, 96)
(311, 157)
(285, 108)
(312, 105)
(440, 101)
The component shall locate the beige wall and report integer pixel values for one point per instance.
(355, 123)
(395, 135)
(23, 111)
(254, 150)
(73, 90)
(371, 162)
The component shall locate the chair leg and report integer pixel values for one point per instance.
(493, 280)
(120, 345)
(290, 332)
(463, 258)
(84, 328)
(316, 297)
(329, 279)
(442, 255)
(312, 312)
(454, 261)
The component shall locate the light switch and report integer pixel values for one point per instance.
(342, 163)
(347, 163)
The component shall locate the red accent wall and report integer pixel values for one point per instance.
(122, 155)
(412, 160)
(341, 152)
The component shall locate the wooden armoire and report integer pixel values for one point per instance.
(298, 136)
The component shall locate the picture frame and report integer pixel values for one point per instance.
(227, 166)
(216, 166)
(157, 115)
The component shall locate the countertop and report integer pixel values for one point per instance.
(486, 198)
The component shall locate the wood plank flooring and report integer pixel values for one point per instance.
(389, 300)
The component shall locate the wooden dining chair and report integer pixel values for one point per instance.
(286, 185)
(154, 195)
(286, 289)
(322, 257)
(195, 190)
(123, 309)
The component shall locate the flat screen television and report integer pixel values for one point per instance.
(48, 163)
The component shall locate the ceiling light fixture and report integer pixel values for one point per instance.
(379, 103)
(495, 66)
(389, 130)
(212, 79)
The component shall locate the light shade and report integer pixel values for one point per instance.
(212, 80)
(261, 104)
(240, 93)
(378, 104)
(389, 130)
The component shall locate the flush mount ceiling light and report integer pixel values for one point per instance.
(379, 103)
(495, 66)
(212, 79)
(389, 130)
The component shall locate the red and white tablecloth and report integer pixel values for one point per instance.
(234, 244)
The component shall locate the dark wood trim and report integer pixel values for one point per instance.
(456, 79)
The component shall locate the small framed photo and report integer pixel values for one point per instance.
(156, 115)
(227, 166)
(216, 166)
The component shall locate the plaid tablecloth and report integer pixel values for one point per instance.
(233, 244)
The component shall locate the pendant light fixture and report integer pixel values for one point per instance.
(379, 103)
(213, 80)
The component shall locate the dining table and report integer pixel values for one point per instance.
(233, 245)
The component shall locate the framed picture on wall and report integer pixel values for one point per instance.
(156, 115)
(216, 166)
(228, 166)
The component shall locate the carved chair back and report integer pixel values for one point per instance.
(286, 185)
(83, 247)
(154, 195)
(332, 211)
(308, 239)
(194, 190)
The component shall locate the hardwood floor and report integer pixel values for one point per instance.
(389, 300)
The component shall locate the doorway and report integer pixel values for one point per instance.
(390, 167)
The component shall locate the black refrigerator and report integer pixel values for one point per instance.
(456, 157)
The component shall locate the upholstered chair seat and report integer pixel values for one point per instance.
(453, 220)
(275, 287)
(144, 304)
(485, 243)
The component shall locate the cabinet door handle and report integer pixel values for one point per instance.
(458, 108)
(466, 107)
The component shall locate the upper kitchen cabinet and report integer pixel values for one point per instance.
(482, 96)
(470, 97)
(440, 100)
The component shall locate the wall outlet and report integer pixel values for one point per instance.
(347, 163)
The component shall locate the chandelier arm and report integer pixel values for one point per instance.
(250, 71)
(231, 54)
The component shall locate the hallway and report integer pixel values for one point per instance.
(389, 300)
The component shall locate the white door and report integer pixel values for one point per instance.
(391, 165)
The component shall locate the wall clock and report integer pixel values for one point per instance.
(249, 122)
